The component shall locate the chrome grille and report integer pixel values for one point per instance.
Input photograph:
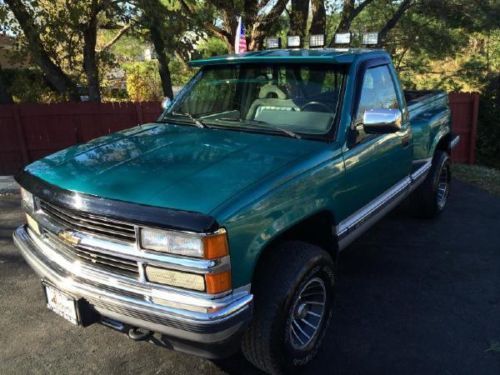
(89, 223)
(108, 262)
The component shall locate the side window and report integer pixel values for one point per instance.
(377, 92)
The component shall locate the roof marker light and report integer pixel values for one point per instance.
(317, 41)
(273, 43)
(343, 38)
(370, 39)
(293, 41)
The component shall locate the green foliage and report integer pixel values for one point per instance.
(180, 72)
(488, 140)
(212, 47)
(143, 81)
(29, 86)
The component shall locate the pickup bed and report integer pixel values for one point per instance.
(218, 227)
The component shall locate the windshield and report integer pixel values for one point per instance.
(289, 98)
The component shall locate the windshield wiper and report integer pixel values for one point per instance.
(261, 124)
(195, 121)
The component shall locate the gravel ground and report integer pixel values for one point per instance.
(413, 297)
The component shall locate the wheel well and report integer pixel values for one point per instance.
(444, 143)
(317, 229)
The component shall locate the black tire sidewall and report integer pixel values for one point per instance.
(294, 359)
(442, 161)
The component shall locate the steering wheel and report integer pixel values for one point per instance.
(318, 104)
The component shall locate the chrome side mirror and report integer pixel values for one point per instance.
(379, 121)
(165, 103)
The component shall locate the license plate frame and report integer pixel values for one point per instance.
(62, 304)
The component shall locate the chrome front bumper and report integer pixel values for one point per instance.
(207, 332)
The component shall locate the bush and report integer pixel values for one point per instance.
(143, 81)
(488, 132)
(30, 86)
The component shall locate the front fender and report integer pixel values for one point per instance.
(252, 228)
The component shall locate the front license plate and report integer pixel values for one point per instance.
(61, 304)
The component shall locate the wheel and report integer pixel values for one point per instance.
(294, 292)
(430, 198)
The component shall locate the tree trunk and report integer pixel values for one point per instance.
(346, 16)
(392, 22)
(259, 25)
(5, 97)
(163, 60)
(61, 82)
(89, 57)
(298, 18)
(318, 23)
(349, 13)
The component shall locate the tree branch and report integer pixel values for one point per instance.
(349, 13)
(55, 75)
(391, 22)
(209, 25)
(274, 13)
(116, 38)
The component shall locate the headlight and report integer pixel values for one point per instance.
(193, 245)
(27, 199)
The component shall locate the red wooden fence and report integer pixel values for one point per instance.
(30, 131)
(464, 110)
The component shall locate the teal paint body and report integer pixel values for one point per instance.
(255, 185)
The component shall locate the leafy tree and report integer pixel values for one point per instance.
(24, 14)
(171, 33)
(61, 37)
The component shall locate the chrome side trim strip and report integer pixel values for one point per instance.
(357, 223)
(455, 141)
(424, 169)
(351, 227)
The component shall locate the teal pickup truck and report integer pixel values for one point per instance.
(218, 226)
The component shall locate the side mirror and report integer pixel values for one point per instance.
(380, 121)
(165, 103)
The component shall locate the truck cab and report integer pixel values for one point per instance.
(218, 226)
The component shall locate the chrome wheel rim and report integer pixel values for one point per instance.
(443, 188)
(308, 312)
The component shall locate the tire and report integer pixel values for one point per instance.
(289, 270)
(430, 198)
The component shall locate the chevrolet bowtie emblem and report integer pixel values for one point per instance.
(69, 237)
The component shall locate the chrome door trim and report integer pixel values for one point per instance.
(455, 141)
(354, 225)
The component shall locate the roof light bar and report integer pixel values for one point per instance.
(370, 39)
(317, 41)
(273, 43)
(343, 38)
(293, 41)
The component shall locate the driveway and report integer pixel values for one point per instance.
(414, 297)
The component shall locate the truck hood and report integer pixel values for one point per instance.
(172, 166)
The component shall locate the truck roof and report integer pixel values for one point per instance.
(323, 55)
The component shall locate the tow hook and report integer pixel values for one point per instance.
(139, 334)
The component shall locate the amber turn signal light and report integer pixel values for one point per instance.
(218, 282)
(216, 245)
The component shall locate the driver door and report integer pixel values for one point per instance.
(375, 163)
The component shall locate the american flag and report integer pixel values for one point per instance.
(240, 44)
